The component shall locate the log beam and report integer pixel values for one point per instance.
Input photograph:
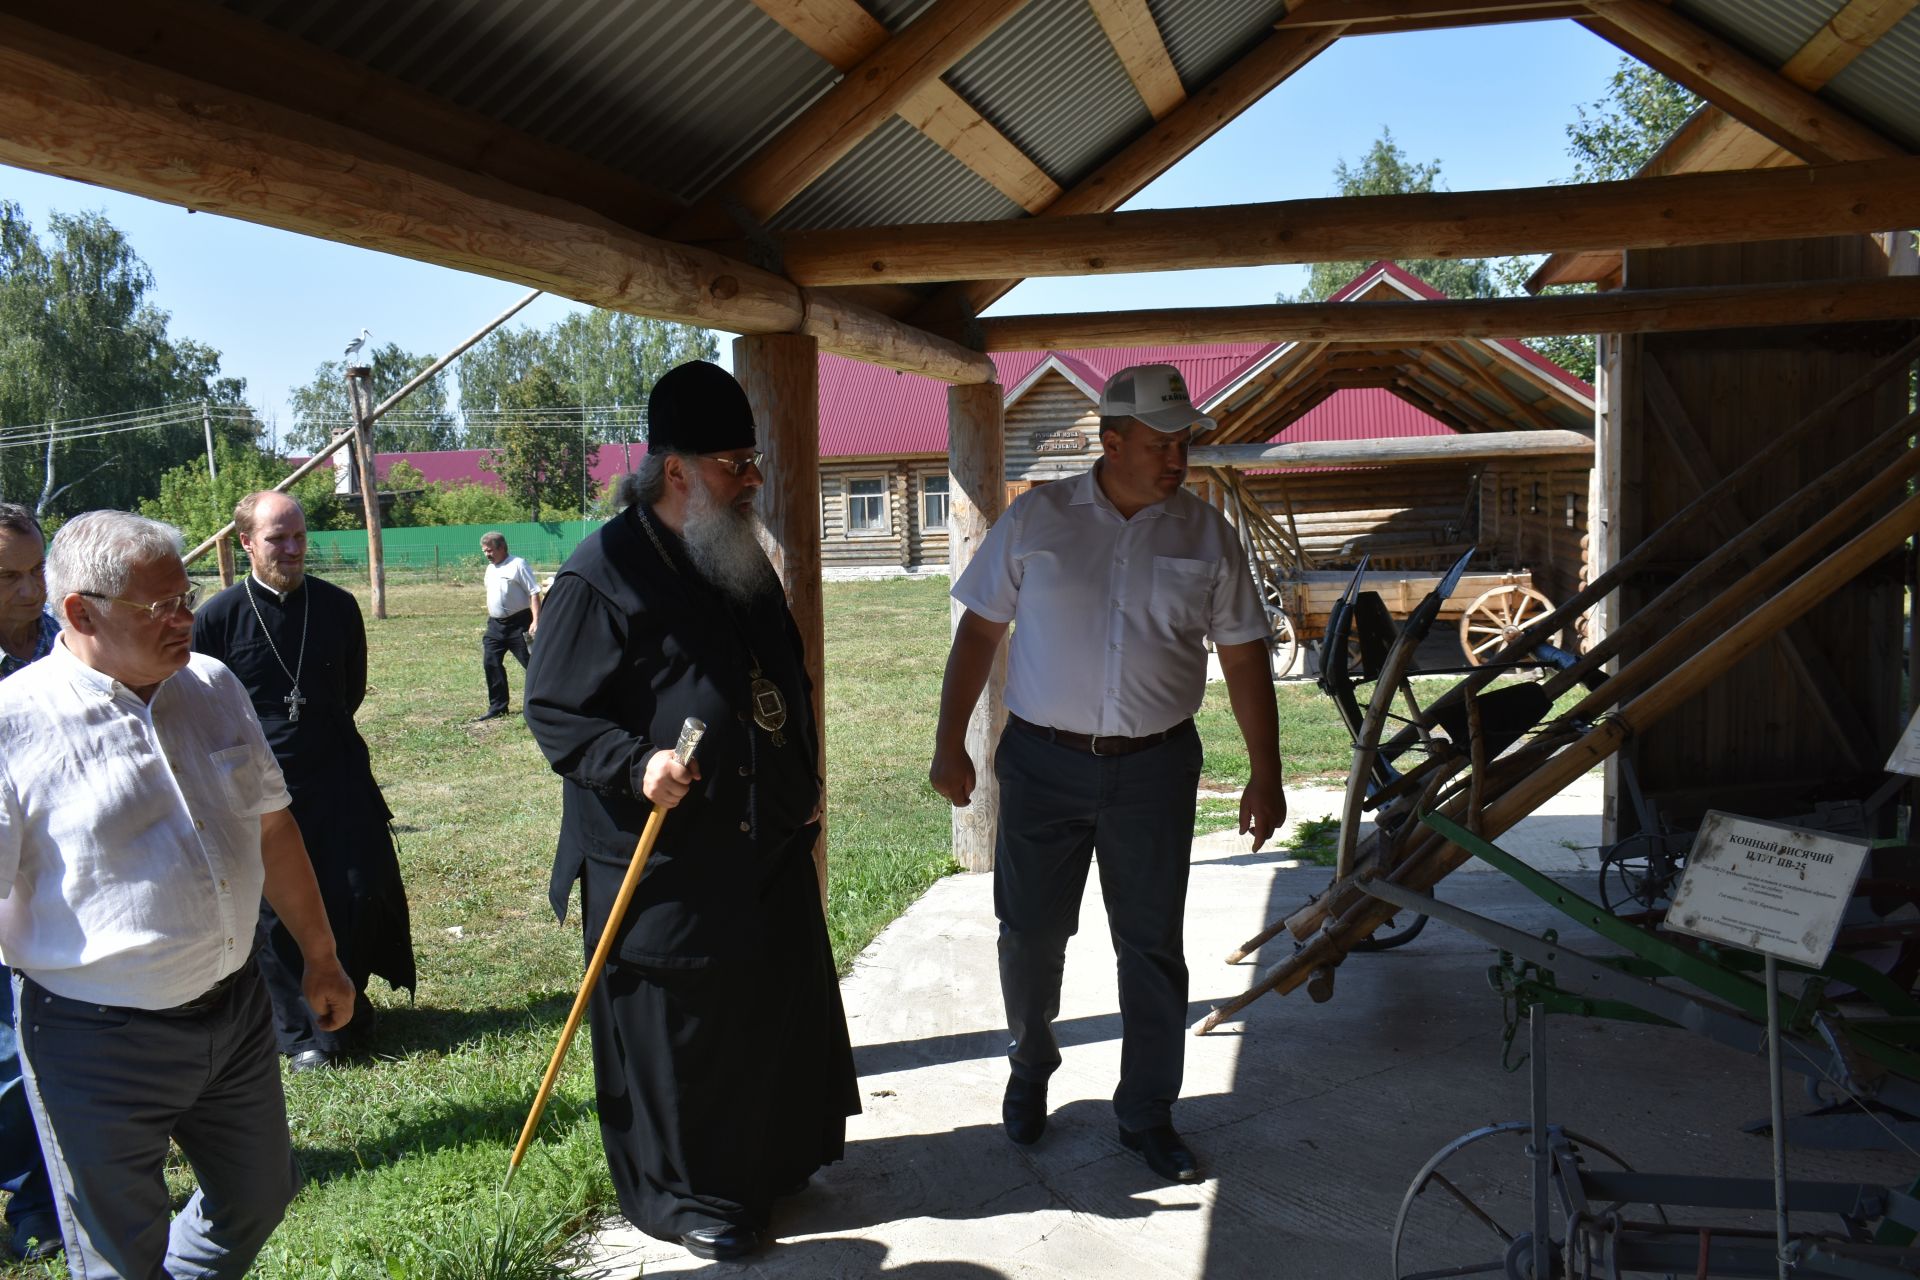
(1691, 209)
(1364, 15)
(1630, 311)
(845, 34)
(1572, 445)
(780, 372)
(1757, 96)
(76, 111)
(976, 457)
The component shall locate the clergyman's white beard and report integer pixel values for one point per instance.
(725, 545)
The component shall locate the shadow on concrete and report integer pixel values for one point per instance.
(818, 1258)
(985, 1043)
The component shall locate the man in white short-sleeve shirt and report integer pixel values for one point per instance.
(513, 614)
(142, 817)
(1112, 583)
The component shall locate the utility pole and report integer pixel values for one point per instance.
(223, 551)
(360, 389)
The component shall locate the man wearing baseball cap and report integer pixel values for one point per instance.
(1116, 580)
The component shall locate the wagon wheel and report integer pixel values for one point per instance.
(1469, 1211)
(1497, 617)
(1285, 644)
(1638, 874)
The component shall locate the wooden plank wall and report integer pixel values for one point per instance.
(1051, 407)
(1535, 518)
(1754, 742)
(1340, 510)
(904, 543)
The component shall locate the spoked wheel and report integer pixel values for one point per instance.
(1285, 644)
(1401, 928)
(1469, 1211)
(1497, 617)
(1638, 874)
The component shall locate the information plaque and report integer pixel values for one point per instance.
(1766, 887)
(1906, 752)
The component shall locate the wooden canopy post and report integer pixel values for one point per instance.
(976, 461)
(360, 389)
(781, 375)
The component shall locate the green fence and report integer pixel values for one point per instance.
(442, 549)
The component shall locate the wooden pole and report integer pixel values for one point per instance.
(360, 389)
(976, 460)
(780, 373)
(1574, 445)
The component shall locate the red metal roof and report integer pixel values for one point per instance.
(469, 466)
(1362, 413)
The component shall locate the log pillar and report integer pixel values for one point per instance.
(976, 461)
(360, 391)
(781, 375)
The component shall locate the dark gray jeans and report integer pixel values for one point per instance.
(1058, 807)
(110, 1085)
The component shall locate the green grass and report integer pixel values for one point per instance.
(404, 1153)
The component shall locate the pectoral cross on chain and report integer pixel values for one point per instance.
(294, 700)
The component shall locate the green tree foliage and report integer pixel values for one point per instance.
(1386, 171)
(1626, 126)
(420, 422)
(539, 455)
(445, 503)
(197, 505)
(79, 339)
(599, 359)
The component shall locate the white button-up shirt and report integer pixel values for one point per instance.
(1109, 614)
(130, 832)
(510, 587)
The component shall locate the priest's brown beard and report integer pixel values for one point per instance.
(725, 544)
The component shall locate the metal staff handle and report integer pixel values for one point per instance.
(690, 735)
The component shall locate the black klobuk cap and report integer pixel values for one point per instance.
(697, 407)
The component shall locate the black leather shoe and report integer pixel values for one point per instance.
(1024, 1110)
(1163, 1151)
(310, 1060)
(491, 715)
(721, 1242)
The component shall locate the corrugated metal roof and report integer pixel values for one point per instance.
(474, 466)
(1362, 413)
(865, 409)
(1770, 30)
(897, 174)
(1203, 36)
(672, 92)
(1882, 86)
(1052, 83)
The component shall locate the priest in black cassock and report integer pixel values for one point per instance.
(720, 1048)
(300, 647)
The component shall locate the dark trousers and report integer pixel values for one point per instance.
(23, 1170)
(109, 1086)
(1058, 806)
(504, 636)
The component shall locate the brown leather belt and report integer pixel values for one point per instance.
(1094, 743)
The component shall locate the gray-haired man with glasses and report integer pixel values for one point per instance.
(142, 817)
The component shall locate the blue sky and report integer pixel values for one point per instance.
(1491, 104)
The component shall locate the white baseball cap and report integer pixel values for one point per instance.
(1154, 393)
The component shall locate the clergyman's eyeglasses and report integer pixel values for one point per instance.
(156, 609)
(738, 466)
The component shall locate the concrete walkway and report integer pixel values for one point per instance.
(1309, 1119)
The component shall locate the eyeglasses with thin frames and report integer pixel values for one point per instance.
(738, 466)
(156, 609)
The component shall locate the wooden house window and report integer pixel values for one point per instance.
(867, 507)
(933, 502)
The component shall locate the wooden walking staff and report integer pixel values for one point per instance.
(690, 734)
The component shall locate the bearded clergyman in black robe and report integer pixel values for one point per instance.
(300, 647)
(720, 1048)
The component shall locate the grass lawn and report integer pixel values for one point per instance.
(404, 1153)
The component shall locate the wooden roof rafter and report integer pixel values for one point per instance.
(1755, 94)
(1712, 139)
(845, 34)
(1142, 50)
(872, 92)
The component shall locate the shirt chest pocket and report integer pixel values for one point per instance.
(236, 770)
(1182, 591)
